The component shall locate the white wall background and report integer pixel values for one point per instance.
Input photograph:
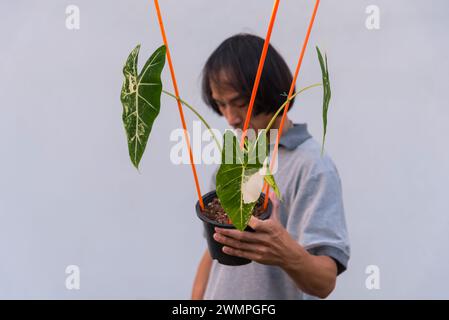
(69, 194)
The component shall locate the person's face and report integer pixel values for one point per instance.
(234, 107)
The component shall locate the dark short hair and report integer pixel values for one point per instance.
(238, 56)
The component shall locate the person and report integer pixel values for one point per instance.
(299, 252)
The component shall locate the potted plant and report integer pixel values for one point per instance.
(244, 168)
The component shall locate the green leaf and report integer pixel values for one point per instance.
(141, 100)
(269, 178)
(259, 148)
(326, 92)
(240, 178)
(230, 177)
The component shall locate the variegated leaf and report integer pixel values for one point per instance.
(240, 177)
(141, 100)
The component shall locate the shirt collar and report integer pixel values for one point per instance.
(294, 136)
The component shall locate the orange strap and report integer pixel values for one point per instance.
(259, 71)
(292, 88)
(181, 114)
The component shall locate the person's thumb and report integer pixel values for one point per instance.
(276, 205)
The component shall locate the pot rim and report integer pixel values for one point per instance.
(224, 225)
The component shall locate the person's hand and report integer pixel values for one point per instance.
(269, 244)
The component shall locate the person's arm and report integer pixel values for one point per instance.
(202, 277)
(271, 244)
(315, 275)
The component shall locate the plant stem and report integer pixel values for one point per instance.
(197, 114)
(270, 124)
(288, 100)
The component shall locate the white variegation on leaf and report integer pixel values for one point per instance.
(252, 187)
(239, 184)
(141, 100)
(269, 179)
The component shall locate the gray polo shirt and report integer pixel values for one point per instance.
(312, 212)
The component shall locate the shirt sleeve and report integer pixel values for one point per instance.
(317, 218)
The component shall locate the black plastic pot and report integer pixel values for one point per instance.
(216, 248)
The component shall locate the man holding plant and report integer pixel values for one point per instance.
(299, 252)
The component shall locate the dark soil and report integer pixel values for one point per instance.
(214, 211)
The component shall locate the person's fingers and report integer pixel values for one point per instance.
(255, 223)
(273, 198)
(262, 227)
(233, 243)
(275, 214)
(251, 237)
(242, 253)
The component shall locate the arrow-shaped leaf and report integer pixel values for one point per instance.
(141, 100)
(240, 177)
